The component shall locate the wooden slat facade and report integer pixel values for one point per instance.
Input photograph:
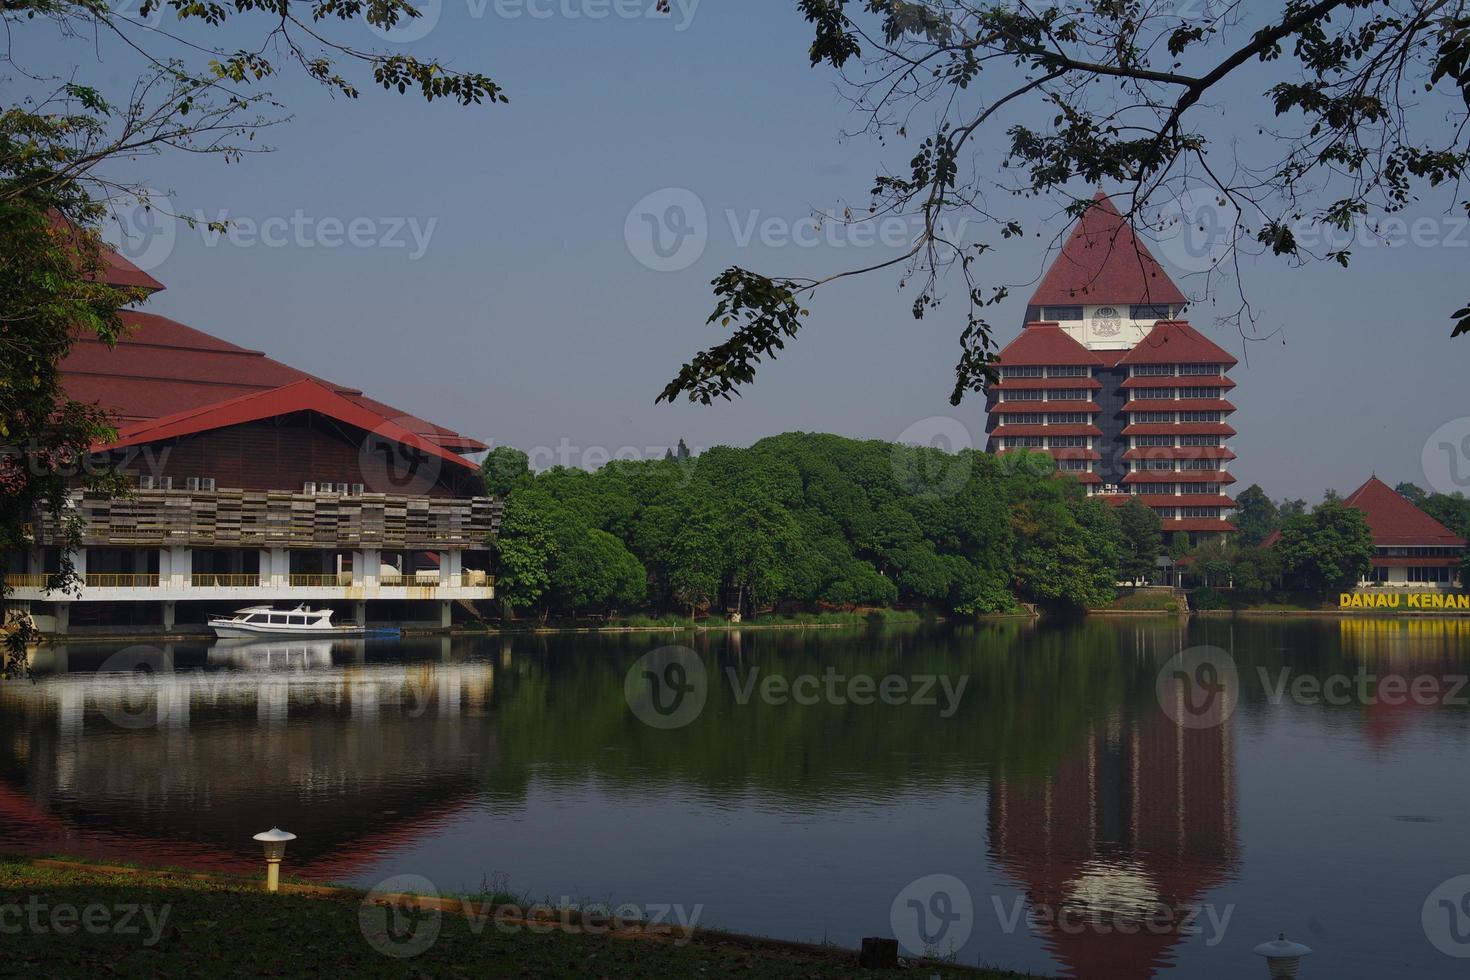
(280, 519)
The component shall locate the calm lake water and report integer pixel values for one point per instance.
(1015, 793)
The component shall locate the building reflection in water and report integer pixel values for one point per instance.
(177, 756)
(1118, 848)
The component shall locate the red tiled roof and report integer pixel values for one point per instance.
(116, 270)
(1183, 476)
(1046, 343)
(1103, 261)
(1176, 342)
(1178, 452)
(1180, 381)
(162, 367)
(1178, 405)
(1179, 428)
(303, 396)
(1395, 521)
(1081, 477)
(1183, 500)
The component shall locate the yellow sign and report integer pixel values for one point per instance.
(1403, 600)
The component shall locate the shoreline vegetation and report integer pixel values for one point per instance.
(189, 923)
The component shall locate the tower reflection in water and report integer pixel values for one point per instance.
(1118, 848)
(177, 754)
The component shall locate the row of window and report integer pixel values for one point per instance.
(1184, 513)
(1040, 371)
(1183, 370)
(1183, 489)
(1048, 418)
(1073, 465)
(1138, 311)
(1170, 417)
(1184, 464)
(1047, 395)
(1439, 573)
(1040, 442)
(1169, 394)
(1418, 551)
(1184, 440)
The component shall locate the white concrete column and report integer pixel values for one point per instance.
(446, 614)
(176, 567)
(451, 564)
(359, 612)
(365, 566)
(168, 614)
(275, 566)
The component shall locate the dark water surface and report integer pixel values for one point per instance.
(1050, 787)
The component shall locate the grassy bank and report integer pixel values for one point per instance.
(78, 921)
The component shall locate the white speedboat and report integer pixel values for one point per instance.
(267, 620)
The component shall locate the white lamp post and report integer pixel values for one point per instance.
(274, 841)
(1283, 956)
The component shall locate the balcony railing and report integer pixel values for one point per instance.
(206, 580)
(112, 580)
(26, 580)
(319, 580)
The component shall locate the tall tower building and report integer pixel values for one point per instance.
(1128, 398)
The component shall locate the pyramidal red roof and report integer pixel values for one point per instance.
(1395, 521)
(1103, 261)
(116, 269)
(1046, 343)
(303, 396)
(1176, 342)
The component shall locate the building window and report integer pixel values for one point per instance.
(1199, 440)
(1149, 311)
(1154, 441)
(1165, 513)
(1198, 464)
(1072, 465)
(1199, 488)
(1210, 512)
(1037, 419)
(1068, 442)
(1031, 395)
(1061, 312)
(1199, 392)
(1068, 395)
(1153, 394)
(1153, 417)
(1158, 464)
(1199, 416)
(1021, 371)
(1378, 574)
(1152, 369)
(1153, 488)
(1200, 369)
(1068, 418)
(1024, 442)
(1069, 370)
(1432, 574)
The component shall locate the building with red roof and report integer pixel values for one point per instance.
(1104, 376)
(1410, 548)
(253, 482)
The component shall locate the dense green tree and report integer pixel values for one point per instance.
(1214, 561)
(1255, 515)
(1143, 541)
(1290, 508)
(1256, 569)
(1179, 545)
(1411, 492)
(523, 552)
(1450, 509)
(504, 469)
(1330, 548)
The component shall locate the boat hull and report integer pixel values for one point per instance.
(229, 629)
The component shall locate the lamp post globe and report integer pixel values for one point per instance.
(274, 842)
(1283, 957)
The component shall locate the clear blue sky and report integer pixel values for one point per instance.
(528, 321)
